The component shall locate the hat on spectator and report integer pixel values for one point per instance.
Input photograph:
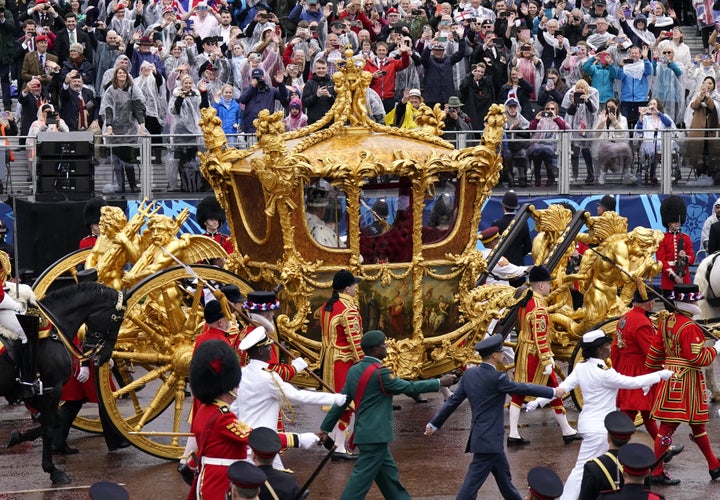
(120, 6)
(41, 38)
(77, 47)
(207, 66)
(454, 102)
(512, 102)
(600, 2)
(146, 40)
(296, 103)
(414, 93)
(391, 10)
(639, 18)
(257, 73)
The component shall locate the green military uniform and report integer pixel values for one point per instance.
(374, 428)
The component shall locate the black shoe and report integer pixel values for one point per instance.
(551, 183)
(676, 450)
(664, 480)
(590, 179)
(14, 439)
(572, 437)
(714, 474)
(119, 446)
(66, 450)
(511, 441)
(419, 399)
(340, 456)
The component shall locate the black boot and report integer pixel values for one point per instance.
(66, 415)
(130, 174)
(28, 372)
(119, 178)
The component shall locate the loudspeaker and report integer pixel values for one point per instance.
(61, 183)
(65, 144)
(49, 231)
(53, 167)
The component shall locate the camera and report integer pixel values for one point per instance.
(577, 97)
(547, 114)
(505, 13)
(627, 60)
(416, 12)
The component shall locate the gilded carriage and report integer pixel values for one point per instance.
(398, 208)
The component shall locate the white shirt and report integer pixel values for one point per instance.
(503, 269)
(599, 388)
(259, 396)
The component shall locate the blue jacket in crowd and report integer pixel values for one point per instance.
(634, 90)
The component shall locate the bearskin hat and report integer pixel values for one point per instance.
(91, 211)
(673, 209)
(209, 208)
(214, 370)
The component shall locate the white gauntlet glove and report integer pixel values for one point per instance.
(299, 364)
(532, 405)
(665, 374)
(340, 399)
(83, 375)
(717, 346)
(548, 368)
(307, 440)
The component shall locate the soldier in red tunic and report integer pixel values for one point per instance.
(222, 439)
(682, 399)
(216, 322)
(534, 360)
(341, 333)
(675, 252)
(91, 213)
(635, 334)
(211, 216)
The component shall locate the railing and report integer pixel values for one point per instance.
(157, 164)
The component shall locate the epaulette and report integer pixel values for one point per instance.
(602, 366)
(239, 429)
(287, 471)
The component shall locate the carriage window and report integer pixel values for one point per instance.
(385, 222)
(440, 210)
(325, 214)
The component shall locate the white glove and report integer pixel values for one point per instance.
(9, 303)
(532, 405)
(340, 399)
(299, 364)
(646, 389)
(717, 346)
(308, 440)
(548, 368)
(111, 363)
(665, 374)
(83, 375)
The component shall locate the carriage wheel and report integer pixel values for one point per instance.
(63, 273)
(609, 327)
(164, 315)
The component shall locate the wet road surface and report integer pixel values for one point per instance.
(430, 467)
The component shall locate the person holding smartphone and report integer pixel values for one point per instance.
(384, 69)
(582, 105)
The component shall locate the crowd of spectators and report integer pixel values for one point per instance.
(127, 67)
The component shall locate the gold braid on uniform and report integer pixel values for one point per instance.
(286, 409)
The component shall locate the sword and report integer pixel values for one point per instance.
(331, 449)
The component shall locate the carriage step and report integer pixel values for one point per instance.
(32, 389)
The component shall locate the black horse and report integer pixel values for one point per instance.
(101, 309)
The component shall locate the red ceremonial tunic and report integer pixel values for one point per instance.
(74, 390)
(533, 348)
(88, 241)
(207, 334)
(667, 254)
(224, 241)
(221, 437)
(635, 334)
(679, 346)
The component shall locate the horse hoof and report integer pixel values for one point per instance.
(59, 478)
(13, 439)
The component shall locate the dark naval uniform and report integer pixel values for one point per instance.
(282, 482)
(631, 492)
(600, 475)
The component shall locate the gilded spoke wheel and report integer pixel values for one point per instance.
(164, 315)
